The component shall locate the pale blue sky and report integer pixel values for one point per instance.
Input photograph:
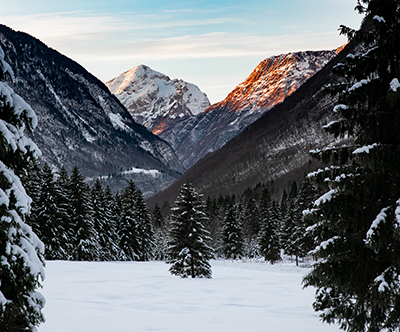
(213, 44)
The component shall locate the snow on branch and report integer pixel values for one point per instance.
(4, 66)
(339, 107)
(19, 105)
(397, 213)
(359, 84)
(324, 245)
(23, 201)
(326, 197)
(365, 149)
(394, 84)
(378, 18)
(381, 217)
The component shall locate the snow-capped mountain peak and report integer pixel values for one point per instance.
(152, 98)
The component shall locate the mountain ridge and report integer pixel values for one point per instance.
(80, 123)
(275, 148)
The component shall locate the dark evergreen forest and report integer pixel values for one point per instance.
(78, 221)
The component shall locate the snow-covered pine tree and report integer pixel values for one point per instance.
(111, 214)
(189, 254)
(145, 228)
(86, 247)
(99, 215)
(22, 261)
(158, 219)
(232, 235)
(64, 204)
(301, 238)
(251, 219)
(49, 216)
(288, 228)
(269, 241)
(128, 227)
(358, 217)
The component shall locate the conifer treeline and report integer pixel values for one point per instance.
(76, 221)
(79, 222)
(253, 224)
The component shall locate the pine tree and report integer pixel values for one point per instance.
(100, 219)
(85, 239)
(251, 219)
(49, 217)
(65, 208)
(111, 228)
(22, 261)
(301, 237)
(358, 217)
(128, 225)
(189, 254)
(232, 235)
(269, 241)
(158, 219)
(287, 230)
(145, 228)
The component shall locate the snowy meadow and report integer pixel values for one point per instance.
(143, 296)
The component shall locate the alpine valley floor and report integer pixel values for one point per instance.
(143, 296)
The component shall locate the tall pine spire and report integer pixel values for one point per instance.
(357, 219)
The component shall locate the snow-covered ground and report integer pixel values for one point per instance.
(143, 296)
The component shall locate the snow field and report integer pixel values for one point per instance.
(143, 296)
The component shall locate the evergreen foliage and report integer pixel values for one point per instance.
(358, 217)
(232, 235)
(269, 241)
(22, 260)
(145, 228)
(189, 254)
(85, 238)
(128, 225)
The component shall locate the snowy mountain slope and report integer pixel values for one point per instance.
(178, 112)
(273, 80)
(154, 100)
(80, 123)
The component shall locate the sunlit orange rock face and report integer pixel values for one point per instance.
(273, 80)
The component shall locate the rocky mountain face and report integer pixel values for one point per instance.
(275, 147)
(156, 101)
(180, 113)
(273, 80)
(80, 123)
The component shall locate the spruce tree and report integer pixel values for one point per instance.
(158, 219)
(65, 208)
(269, 240)
(49, 216)
(22, 260)
(111, 228)
(145, 228)
(128, 227)
(100, 221)
(232, 235)
(301, 237)
(86, 247)
(189, 254)
(358, 217)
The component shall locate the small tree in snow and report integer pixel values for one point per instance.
(189, 254)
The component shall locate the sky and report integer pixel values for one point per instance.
(214, 44)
